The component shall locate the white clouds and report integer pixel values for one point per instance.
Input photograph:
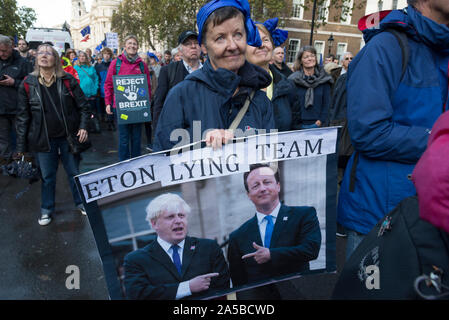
(51, 12)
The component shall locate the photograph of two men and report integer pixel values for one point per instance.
(243, 222)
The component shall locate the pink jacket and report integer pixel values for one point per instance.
(431, 176)
(125, 68)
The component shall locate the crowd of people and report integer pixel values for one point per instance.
(231, 75)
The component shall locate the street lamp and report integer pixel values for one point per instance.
(330, 42)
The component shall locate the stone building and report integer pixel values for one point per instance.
(340, 26)
(98, 18)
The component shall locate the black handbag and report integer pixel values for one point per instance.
(75, 146)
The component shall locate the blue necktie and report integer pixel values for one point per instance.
(268, 230)
(176, 259)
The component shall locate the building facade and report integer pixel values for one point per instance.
(99, 19)
(339, 33)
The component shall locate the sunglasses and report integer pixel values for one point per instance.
(348, 58)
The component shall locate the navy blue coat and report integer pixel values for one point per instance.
(206, 95)
(321, 103)
(150, 274)
(389, 117)
(295, 241)
(283, 100)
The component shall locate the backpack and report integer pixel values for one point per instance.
(409, 255)
(118, 64)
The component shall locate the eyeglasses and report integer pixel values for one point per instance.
(348, 58)
(309, 56)
(44, 53)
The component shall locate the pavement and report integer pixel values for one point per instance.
(41, 263)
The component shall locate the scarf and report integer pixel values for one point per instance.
(310, 82)
(130, 59)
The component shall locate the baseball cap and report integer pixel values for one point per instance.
(186, 34)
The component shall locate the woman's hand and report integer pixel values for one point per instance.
(82, 134)
(318, 123)
(108, 109)
(218, 137)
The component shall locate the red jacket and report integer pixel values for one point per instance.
(431, 176)
(125, 68)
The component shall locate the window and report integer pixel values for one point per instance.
(341, 49)
(380, 5)
(297, 11)
(346, 11)
(319, 47)
(395, 4)
(323, 10)
(293, 48)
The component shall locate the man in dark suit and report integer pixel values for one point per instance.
(278, 241)
(173, 73)
(174, 266)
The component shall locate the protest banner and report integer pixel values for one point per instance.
(211, 182)
(112, 40)
(132, 98)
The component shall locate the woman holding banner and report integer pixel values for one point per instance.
(128, 63)
(225, 93)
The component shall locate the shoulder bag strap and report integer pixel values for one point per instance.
(242, 111)
(62, 119)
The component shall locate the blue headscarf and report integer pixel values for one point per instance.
(152, 55)
(253, 37)
(279, 36)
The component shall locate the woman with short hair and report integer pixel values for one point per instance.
(313, 91)
(213, 96)
(130, 135)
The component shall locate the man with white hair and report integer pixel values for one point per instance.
(174, 266)
(345, 60)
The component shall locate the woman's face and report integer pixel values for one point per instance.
(262, 55)
(308, 60)
(106, 56)
(226, 44)
(72, 55)
(82, 58)
(131, 47)
(45, 57)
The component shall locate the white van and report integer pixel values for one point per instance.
(59, 38)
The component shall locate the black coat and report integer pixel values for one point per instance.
(169, 76)
(31, 125)
(283, 100)
(17, 68)
(150, 274)
(295, 241)
(207, 95)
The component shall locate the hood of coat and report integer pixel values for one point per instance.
(226, 82)
(411, 21)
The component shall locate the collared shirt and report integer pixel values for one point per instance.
(43, 82)
(183, 288)
(189, 68)
(270, 87)
(263, 222)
